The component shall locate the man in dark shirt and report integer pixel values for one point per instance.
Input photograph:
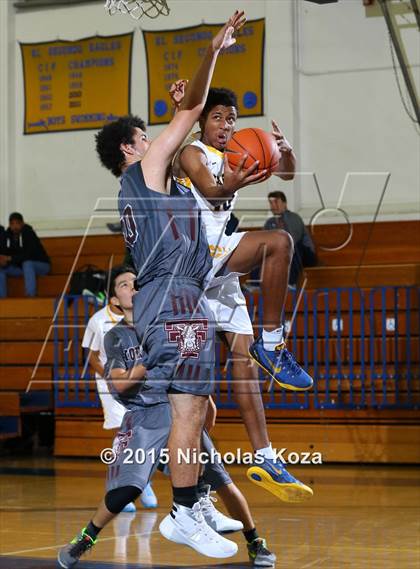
(2, 238)
(304, 254)
(21, 253)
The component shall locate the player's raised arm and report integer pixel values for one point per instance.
(163, 148)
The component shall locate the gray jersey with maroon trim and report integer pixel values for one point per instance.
(164, 233)
(124, 352)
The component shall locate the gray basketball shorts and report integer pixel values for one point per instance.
(174, 325)
(137, 446)
(148, 429)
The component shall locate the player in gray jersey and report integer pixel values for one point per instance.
(171, 316)
(144, 434)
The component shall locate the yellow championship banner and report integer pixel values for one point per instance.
(76, 85)
(176, 54)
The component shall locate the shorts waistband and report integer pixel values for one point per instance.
(175, 279)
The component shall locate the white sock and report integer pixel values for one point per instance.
(272, 339)
(266, 452)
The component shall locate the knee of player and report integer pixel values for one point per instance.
(116, 500)
(282, 243)
(188, 409)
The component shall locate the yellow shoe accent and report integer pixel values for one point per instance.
(292, 492)
(277, 370)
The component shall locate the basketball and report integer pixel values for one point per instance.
(258, 144)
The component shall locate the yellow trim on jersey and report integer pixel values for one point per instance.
(186, 182)
(214, 150)
(110, 314)
(216, 251)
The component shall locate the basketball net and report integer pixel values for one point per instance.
(137, 8)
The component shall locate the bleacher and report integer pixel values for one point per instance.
(358, 338)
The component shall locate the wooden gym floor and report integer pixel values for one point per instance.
(360, 517)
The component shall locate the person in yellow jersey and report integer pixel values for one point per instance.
(201, 167)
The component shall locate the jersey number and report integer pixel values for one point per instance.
(174, 228)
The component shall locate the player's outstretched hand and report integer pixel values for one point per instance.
(225, 37)
(177, 92)
(282, 143)
(240, 177)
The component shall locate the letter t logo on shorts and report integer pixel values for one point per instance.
(190, 335)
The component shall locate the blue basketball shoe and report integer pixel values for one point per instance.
(281, 365)
(148, 497)
(273, 476)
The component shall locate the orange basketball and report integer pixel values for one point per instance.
(258, 144)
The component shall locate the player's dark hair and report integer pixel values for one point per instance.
(115, 273)
(111, 136)
(15, 216)
(217, 96)
(278, 196)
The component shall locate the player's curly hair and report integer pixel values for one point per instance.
(219, 96)
(111, 136)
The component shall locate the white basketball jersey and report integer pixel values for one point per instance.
(93, 339)
(215, 218)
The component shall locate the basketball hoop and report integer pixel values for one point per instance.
(137, 8)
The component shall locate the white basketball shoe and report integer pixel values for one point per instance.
(187, 526)
(215, 519)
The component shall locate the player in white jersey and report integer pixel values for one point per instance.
(202, 168)
(93, 340)
(215, 216)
